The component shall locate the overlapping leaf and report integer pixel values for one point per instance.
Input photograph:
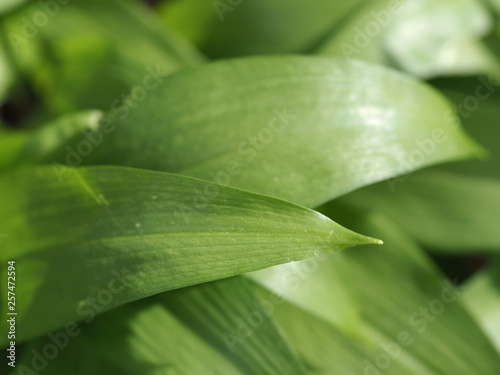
(82, 234)
(453, 208)
(92, 53)
(252, 346)
(477, 101)
(169, 335)
(412, 316)
(423, 37)
(410, 326)
(446, 211)
(234, 28)
(482, 297)
(303, 129)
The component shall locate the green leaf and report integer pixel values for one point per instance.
(8, 75)
(149, 338)
(445, 211)
(50, 138)
(457, 211)
(482, 297)
(476, 100)
(92, 53)
(168, 334)
(12, 143)
(76, 354)
(250, 122)
(427, 38)
(77, 233)
(159, 335)
(411, 314)
(350, 41)
(235, 322)
(7, 6)
(327, 296)
(422, 312)
(221, 28)
(494, 4)
(325, 348)
(19, 147)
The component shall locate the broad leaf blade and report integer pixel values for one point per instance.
(458, 211)
(98, 52)
(427, 38)
(325, 348)
(476, 100)
(250, 122)
(320, 288)
(196, 330)
(255, 27)
(482, 297)
(76, 355)
(229, 316)
(50, 138)
(152, 340)
(403, 300)
(446, 211)
(148, 231)
(20, 147)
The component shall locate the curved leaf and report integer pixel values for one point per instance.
(412, 315)
(249, 123)
(221, 28)
(92, 53)
(77, 355)
(476, 100)
(427, 38)
(19, 147)
(448, 212)
(142, 233)
(197, 330)
(453, 212)
(54, 135)
(482, 297)
(146, 337)
(320, 288)
(410, 326)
